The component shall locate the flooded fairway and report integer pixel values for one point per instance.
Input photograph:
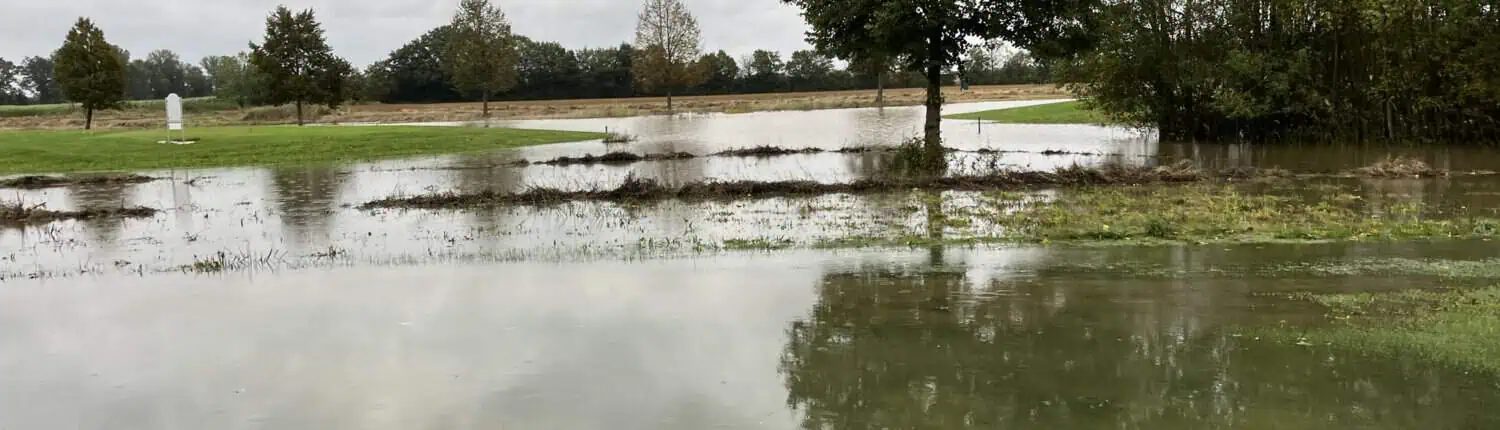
(855, 340)
(265, 298)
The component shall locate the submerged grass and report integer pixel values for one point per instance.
(766, 151)
(77, 151)
(19, 214)
(40, 182)
(1458, 328)
(638, 190)
(1221, 213)
(608, 158)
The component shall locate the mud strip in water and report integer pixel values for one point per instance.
(18, 214)
(40, 182)
(624, 158)
(644, 190)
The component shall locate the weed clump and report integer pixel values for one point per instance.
(1399, 167)
(766, 151)
(40, 182)
(21, 214)
(635, 189)
(617, 137)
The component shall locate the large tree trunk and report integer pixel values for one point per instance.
(933, 143)
(299, 113)
(880, 88)
(669, 100)
(88, 119)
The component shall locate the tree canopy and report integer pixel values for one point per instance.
(667, 39)
(90, 71)
(297, 63)
(480, 52)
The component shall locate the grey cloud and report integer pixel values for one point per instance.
(365, 31)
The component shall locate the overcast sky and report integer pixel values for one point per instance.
(365, 31)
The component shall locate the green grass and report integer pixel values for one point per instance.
(1053, 113)
(1456, 328)
(114, 151)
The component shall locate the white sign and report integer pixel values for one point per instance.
(174, 112)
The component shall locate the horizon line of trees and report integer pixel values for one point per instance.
(417, 73)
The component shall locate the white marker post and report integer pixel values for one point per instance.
(174, 117)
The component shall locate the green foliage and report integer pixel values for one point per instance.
(765, 72)
(90, 70)
(480, 53)
(10, 84)
(1267, 70)
(233, 78)
(297, 63)
(925, 35)
(56, 152)
(547, 69)
(808, 69)
(719, 71)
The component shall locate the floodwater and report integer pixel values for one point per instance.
(595, 316)
(849, 340)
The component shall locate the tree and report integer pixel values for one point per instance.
(138, 80)
(165, 73)
(297, 63)
(719, 71)
(195, 82)
(879, 67)
(808, 70)
(764, 71)
(930, 35)
(40, 78)
(606, 73)
(90, 70)
(234, 78)
(378, 81)
(417, 72)
(667, 37)
(481, 53)
(10, 84)
(548, 71)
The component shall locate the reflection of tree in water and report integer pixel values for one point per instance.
(306, 197)
(903, 350)
(101, 196)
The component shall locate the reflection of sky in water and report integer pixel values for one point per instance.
(696, 343)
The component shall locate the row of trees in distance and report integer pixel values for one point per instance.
(439, 67)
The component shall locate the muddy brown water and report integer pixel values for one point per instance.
(594, 316)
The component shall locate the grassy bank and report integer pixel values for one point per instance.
(1053, 113)
(1455, 328)
(78, 151)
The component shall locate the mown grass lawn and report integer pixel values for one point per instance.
(116, 151)
(1072, 112)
